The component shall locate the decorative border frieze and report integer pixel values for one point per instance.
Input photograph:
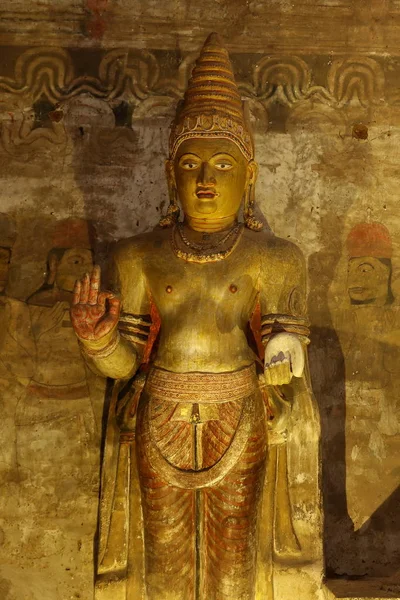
(132, 85)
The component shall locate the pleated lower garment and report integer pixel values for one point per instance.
(201, 444)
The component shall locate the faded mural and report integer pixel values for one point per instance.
(83, 138)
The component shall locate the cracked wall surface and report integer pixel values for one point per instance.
(87, 92)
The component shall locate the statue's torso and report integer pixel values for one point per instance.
(204, 308)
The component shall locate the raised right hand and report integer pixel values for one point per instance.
(94, 314)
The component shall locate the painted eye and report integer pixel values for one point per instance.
(189, 166)
(366, 267)
(224, 166)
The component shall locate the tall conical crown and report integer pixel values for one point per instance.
(212, 106)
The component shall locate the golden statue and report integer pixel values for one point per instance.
(190, 508)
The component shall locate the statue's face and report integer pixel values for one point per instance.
(73, 265)
(368, 280)
(5, 255)
(211, 176)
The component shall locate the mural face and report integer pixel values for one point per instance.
(73, 264)
(368, 280)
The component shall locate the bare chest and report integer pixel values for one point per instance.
(177, 285)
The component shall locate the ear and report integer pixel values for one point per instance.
(252, 172)
(170, 173)
(53, 264)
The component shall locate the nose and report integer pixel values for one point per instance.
(206, 177)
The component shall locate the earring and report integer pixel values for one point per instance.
(249, 219)
(173, 211)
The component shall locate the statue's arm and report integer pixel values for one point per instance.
(118, 359)
(284, 323)
(113, 344)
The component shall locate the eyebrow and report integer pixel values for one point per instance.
(188, 155)
(224, 154)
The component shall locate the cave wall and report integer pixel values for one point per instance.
(87, 91)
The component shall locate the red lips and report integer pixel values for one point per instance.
(206, 193)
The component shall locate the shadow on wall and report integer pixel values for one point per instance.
(354, 357)
(328, 379)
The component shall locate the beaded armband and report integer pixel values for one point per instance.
(135, 328)
(279, 323)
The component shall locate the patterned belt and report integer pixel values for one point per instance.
(202, 388)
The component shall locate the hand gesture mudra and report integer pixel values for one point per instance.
(94, 314)
(284, 357)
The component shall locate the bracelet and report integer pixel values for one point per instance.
(102, 352)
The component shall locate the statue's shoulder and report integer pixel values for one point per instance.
(138, 246)
(274, 248)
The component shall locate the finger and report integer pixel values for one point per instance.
(278, 374)
(275, 374)
(94, 285)
(267, 374)
(85, 289)
(101, 299)
(114, 303)
(103, 296)
(271, 374)
(298, 360)
(76, 293)
(112, 315)
(284, 373)
(113, 300)
(288, 369)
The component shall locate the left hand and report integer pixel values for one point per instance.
(284, 357)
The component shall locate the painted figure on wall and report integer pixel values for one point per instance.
(57, 414)
(17, 353)
(369, 331)
(189, 508)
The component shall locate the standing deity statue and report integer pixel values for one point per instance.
(191, 507)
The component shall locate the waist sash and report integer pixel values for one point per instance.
(202, 388)
(199, 388)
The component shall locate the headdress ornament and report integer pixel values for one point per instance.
(212, 106)
(369, 239)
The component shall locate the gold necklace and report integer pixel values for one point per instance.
(204, 247)
(209, 253)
